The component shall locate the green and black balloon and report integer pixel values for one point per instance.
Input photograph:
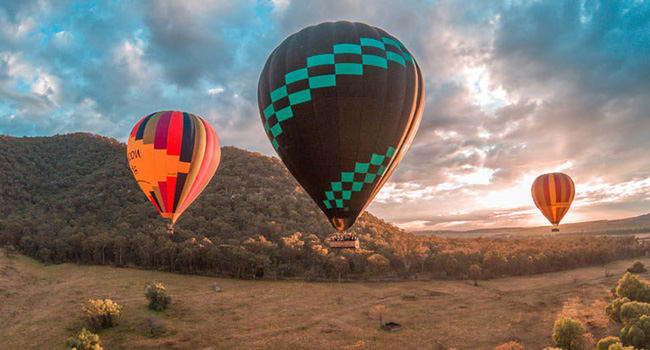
(341, 103)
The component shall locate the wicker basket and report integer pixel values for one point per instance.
(353, 244)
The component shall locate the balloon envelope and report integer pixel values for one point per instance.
(173, 155)
(340, 103)
(553, 194)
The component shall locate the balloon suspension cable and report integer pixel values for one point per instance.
(170, 229)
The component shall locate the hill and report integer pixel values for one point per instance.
(40, 308)
(72, 198)
(634, 225)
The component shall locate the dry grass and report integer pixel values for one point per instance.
(40, 309)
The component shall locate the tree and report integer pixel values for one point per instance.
(475, 273)
(567, 332)
(378, 263)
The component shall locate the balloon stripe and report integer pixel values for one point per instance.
(558, 187)
(180, 183)
(149, 133)
(134, 131)
(152, 198)
(187, 145)
(162, 130)
(552, 196)
(142, 125)
(175, 134)
(171, 192)
(162, 185)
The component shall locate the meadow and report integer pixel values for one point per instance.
(40, 308)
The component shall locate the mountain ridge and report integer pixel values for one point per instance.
(72, 198)
(639, 223)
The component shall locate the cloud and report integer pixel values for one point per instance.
(513, 89)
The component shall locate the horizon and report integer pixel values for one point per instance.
(507, 99)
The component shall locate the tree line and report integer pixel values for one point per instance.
(71, 198)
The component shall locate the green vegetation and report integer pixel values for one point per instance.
(72, 198)
(613, 310)
(637, 267)
(633, 288)
(101, 313)
(619, 346)
(632, 310)
(567, 333)
(604, 343)
(157, 296)
(85, 340)
(475, 273)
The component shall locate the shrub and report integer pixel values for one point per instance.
(632, 287)
(567, 332)
(637, 333)
(613, 309)
(619, 346)
(632, 311)
(85, 340)
(637, 267)
(604, 343)
(101, 313)
(154, 327)
(157, 296)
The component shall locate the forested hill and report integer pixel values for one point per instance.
(82, 181)
(73, 198)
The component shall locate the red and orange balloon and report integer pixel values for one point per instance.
(173, 155)
(553, 194)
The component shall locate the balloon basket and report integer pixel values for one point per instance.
(343, 241)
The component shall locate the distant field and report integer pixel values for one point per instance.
(39, 308)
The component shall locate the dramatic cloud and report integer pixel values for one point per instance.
(514, 89)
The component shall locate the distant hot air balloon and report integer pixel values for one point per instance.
(173, 155)
(340, 103)
(553, 194)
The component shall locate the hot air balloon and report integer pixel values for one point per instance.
(173, 155)
(340, 103)
(553, 194)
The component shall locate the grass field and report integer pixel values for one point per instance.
(39, 309)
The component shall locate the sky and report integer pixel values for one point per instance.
(513, 88)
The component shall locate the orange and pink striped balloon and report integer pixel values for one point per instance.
(553, 194)
(173, 155)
